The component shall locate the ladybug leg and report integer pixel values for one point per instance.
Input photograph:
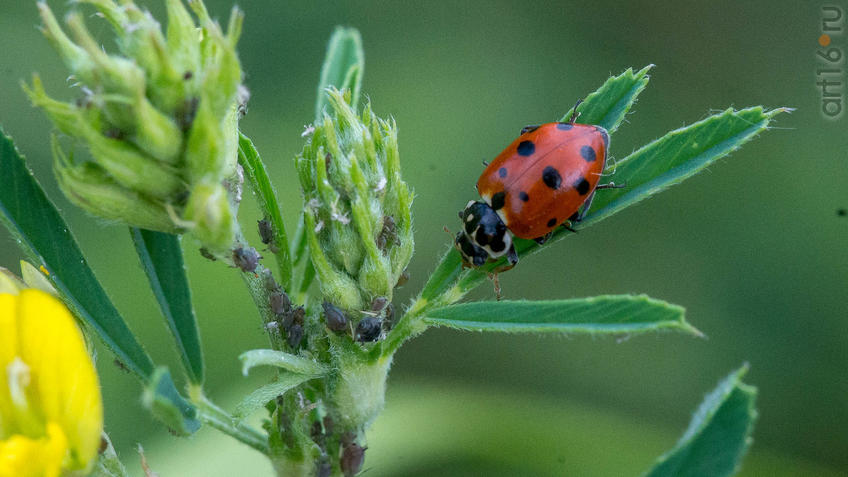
(611, 185)
(497, 284)
(527, 129)
(574, 113)
(512, 256)
(544, 238)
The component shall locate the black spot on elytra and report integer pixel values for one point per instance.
(552, 222)
(523, 196)
(551, 177)
(502, 172)
(587, 153)
(498, 200)
(564, 126)
(526, 148)
(582, 186)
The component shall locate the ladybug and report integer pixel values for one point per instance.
(536, 184)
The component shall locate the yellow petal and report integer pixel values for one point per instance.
(63, 377)
(8, 350)
(24, 457)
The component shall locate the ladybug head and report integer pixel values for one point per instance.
(483, 234)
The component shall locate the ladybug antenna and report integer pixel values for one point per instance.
(574, 113)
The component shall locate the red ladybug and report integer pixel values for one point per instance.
(536, 184)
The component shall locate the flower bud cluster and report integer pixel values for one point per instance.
(357, 215)
(158, 119)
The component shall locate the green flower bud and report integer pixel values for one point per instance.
(92, 189)
(160, 118)
(210, 217)
(357, 206)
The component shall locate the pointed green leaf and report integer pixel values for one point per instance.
(269, 392)
(602, 314)
(161, 398)
(718, 435)
(256, 174)
(162, 259)
(279, 359)
(44, 236)
(607, 106)
(676, 156)
(343, 66)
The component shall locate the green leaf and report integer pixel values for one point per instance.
(44, 236)
(607, 106)
(343, 67)
(280, 359)
(161, 398)
(162, 259)
(256, 174)
(676, 156)
(603, 314)
(718, 435)
(269, 392)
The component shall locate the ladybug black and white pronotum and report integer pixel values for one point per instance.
(536, 184)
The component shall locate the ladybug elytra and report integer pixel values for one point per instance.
(536, 184)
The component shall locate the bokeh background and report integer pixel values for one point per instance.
(754, 248)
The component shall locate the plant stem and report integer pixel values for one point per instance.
(209, 413)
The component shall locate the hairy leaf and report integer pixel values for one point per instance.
(280, 359)
(162, 260)
(718, 435)
(603, 314)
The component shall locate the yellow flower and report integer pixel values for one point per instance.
(51, 413)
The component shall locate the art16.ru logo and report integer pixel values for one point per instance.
(829, 70)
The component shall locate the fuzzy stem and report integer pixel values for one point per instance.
(209, 413)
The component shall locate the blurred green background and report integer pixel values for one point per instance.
(753, 248)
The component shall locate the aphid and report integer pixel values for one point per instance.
(536, 184)
(295, 335)
(388, 234)
(403, 278)
(266, 234)
(280, 303)
(379, 303)
(335, 318)
(368, 329)
(353, 455)
(246, 259)
(266, 231)
(205, 253)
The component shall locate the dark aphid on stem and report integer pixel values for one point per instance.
(205, 253)
(325, 468)
(270, 283)
(334, 317)
(295, 336)
(353, 455)
(368, 329)
(266, 234)
(298, 315)
(280, 303)
(379, 303)
(266, 231)
(246, 259)
(402, 279)
(388, 234)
